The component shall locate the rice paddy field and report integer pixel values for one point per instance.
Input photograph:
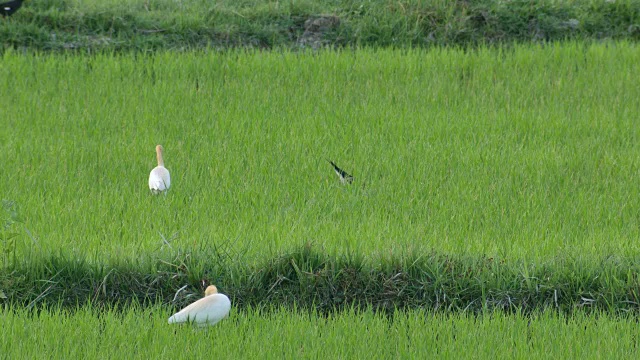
(281, 334)
(484, 180)
(522, 153)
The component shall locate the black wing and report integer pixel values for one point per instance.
(344, 176)
(8, 8)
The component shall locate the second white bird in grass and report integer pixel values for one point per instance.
(212, 308)
(159, 179)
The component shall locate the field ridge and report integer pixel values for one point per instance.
(63, 25)
(310, 279)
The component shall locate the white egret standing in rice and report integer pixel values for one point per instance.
(212, 308)
(159, 179)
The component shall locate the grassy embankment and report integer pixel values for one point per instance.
(169, 24)
(484, 179)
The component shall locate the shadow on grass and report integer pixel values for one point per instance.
(310, 279)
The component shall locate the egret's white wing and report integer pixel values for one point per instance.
(159, 179)
(209, 310)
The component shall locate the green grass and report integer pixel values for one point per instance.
(526, 154)
(62, 25)
(310, 280)
(280, 334)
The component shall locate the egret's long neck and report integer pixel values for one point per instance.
(159, 156)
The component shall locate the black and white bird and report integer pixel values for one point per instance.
(344, 177)
(9, 7)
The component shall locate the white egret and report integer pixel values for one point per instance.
(212, 308)
(159, 179)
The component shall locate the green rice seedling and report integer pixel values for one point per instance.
(522, 153)
(143, 333)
